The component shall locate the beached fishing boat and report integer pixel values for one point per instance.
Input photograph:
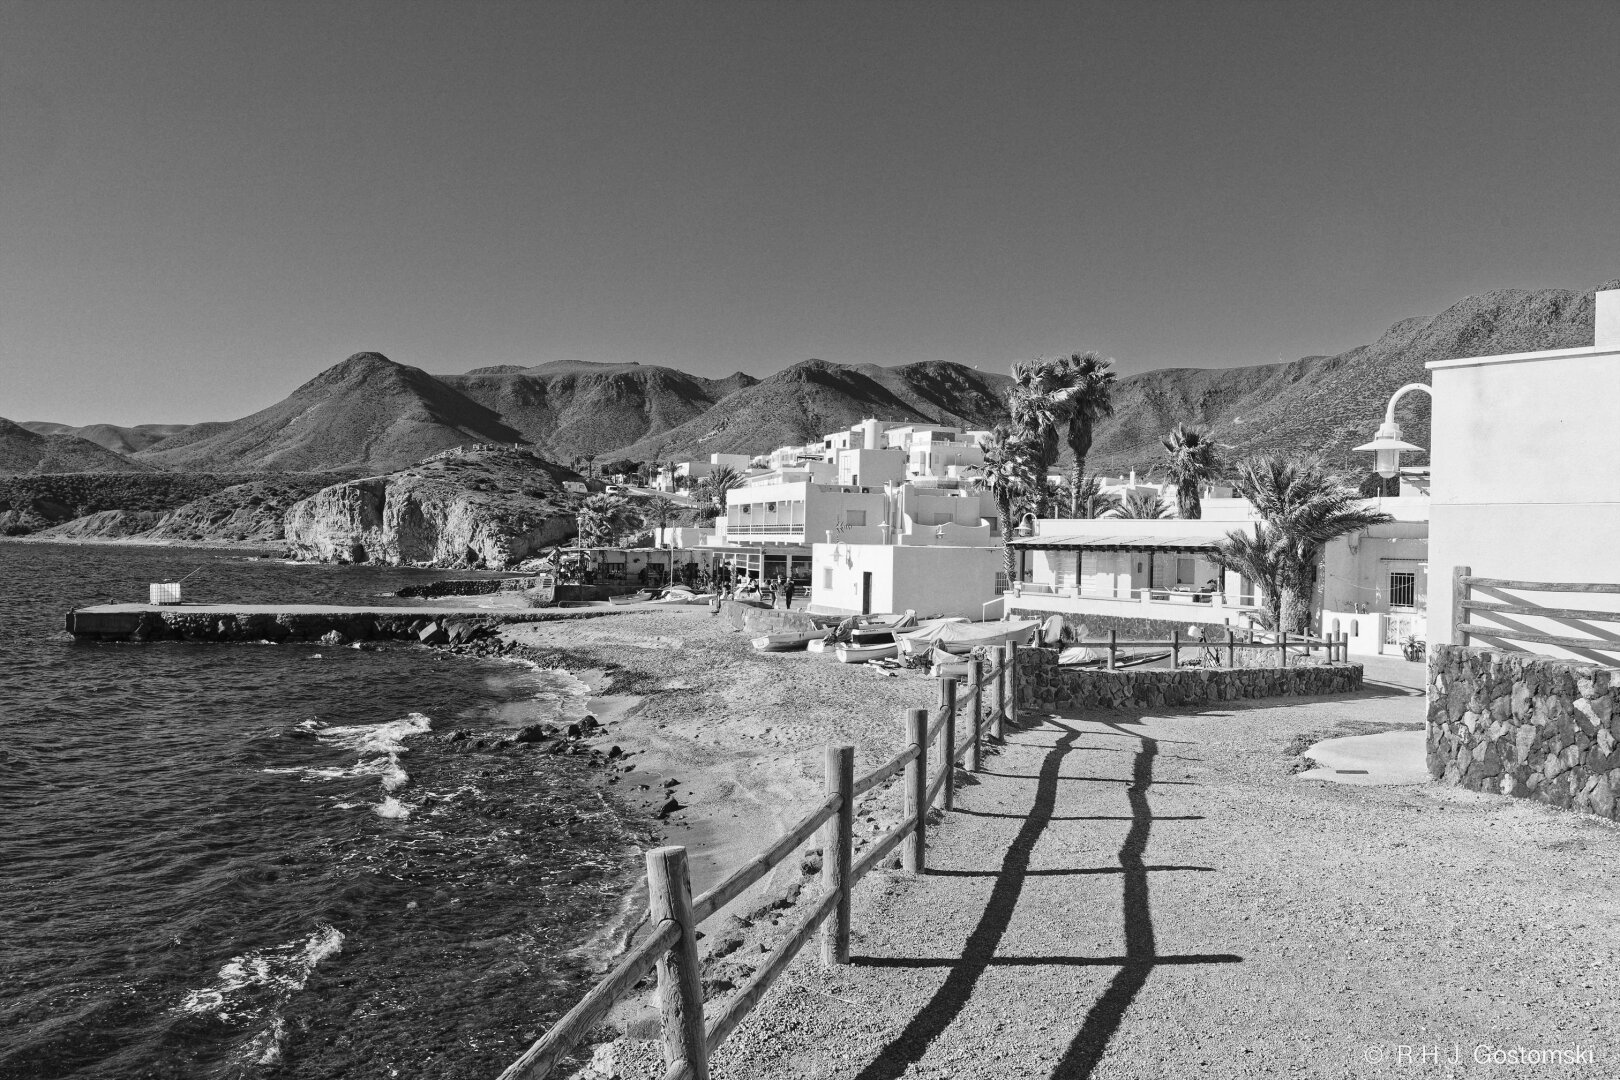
(788, 641)
(864, 645)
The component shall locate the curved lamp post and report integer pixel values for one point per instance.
(1388, 445)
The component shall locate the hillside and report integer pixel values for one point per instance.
(365, 414)
(1334, 403)
(575, 408)
(23, 452)
(120, 440)
(804, 402)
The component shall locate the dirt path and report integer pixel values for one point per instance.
(1157, 895)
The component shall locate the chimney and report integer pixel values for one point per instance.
(1606, 327)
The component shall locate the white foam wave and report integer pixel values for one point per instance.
(282, 969)
(380, 746)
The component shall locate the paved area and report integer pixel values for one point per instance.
(1388, 757)
(1125, 895)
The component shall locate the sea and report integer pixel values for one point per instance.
(254, 860)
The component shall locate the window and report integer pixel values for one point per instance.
(826, 578)
(854, 517)
(1402, 588)
(1184, 572)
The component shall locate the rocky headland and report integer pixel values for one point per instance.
(484, 507)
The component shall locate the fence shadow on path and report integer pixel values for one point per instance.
(978, 954)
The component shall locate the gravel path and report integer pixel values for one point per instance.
(1158, 895)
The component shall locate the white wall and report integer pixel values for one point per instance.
(927, 580)
(1526, 477)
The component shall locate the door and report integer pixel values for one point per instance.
(866, 593)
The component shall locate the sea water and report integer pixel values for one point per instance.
(278, 860)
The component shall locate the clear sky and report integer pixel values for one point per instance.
(204, 204)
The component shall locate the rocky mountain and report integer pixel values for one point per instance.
(570, 408)
(120, 440)
(366, 414)
(804, 402)
(157, 505)
(23, 452)
(1334, 403)
(475, 507)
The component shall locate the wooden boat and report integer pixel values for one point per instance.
(786, 642)
(864, 645)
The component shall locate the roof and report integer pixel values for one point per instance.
(1118, 543)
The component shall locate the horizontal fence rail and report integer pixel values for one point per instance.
(1335, 645)
(689, 1038)
(1463, 626)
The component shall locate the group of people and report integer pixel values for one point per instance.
(729, 582)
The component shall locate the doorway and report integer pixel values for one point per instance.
(866, 593)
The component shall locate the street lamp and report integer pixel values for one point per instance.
(1388, 445)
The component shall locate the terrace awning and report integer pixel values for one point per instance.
(1116, 543)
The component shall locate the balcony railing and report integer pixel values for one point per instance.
(764, 530)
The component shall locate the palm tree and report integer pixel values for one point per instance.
(1088, 381)
(1256, 557)
(1091, 501)
(1193, 462)
(1302, 506)
(712, 489)
(602, 520)
(1009, 474)
(1141, 505)
(1038, 404)
(659, 512)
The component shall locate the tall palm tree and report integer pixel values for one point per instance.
(1256, 557)
(1088, 381)
(712, 489)
(1010, 475)
(1192, 463)
(659, 512)
(1302, 506)
(1141, 505)
(1038, 404)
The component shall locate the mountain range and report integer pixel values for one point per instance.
(371, 415)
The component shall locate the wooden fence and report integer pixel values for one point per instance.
(689, 1036)
(1463, 583)
(1337, 647)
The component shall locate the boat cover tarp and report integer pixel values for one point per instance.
(959, 637)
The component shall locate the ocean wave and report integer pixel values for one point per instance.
(380, 745)
(282, 969)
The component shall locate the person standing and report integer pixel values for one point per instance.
(788, 591)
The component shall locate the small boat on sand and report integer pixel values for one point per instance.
(864, 645)
(790, 640)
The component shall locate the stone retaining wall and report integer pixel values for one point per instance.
(1536, 727)
(1043, 684)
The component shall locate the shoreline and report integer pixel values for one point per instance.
(736, 738)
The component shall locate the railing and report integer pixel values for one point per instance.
(1463, 583)
(689, 1037)
(1337, 646)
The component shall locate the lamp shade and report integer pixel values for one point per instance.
(1389, 446)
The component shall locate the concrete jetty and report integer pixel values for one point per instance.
(300, 622)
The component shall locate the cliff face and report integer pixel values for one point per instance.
(484, 507)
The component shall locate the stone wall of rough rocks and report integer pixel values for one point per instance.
(1522, 724)
(1043, 684)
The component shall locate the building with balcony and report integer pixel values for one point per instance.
(1372, 585)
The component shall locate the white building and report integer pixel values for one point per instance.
(1526, 467)
(860, 579)
(1371, 585)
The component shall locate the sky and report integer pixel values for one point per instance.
(203, 205)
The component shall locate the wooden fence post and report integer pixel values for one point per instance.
(1113, 649)
(947, 702)
(975, 689)
(1282, 648)
(680, 976)
(915, 845)
(837, 843)
(996, 661)
(1175, 648)
(1012, 683)
(1231, 647)
(1459, 597)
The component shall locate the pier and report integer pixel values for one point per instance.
(434, 625)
